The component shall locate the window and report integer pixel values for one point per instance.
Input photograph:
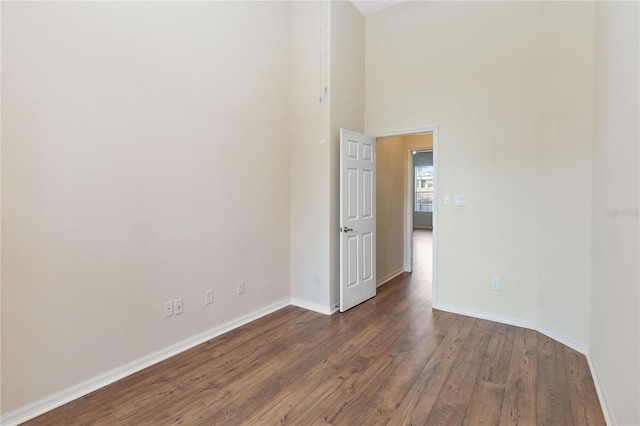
(423, 189)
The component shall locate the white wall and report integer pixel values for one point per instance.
(563, 187)
(615, 322)
(145, 157)
(510, 86)
(346, 90)
(121, 187)
(310, 173)
(327, 51)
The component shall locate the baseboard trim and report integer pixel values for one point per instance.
(389, 277)
(604, 403)
(516, 322)
(51, 402)
(326, 310)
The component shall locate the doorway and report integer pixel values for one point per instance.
(397, 204)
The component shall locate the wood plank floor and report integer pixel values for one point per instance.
(392, 360)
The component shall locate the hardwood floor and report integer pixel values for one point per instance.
(392, 360)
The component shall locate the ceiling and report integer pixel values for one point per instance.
(367, 7)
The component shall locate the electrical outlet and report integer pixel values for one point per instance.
(208, 297)
(317, 277)
(240, 287)
(168, 309)
(495, 284)
(177, 306)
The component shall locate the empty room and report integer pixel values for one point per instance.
(199, 224)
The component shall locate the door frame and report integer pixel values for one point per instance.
(408, 209)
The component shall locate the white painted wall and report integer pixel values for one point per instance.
(145, 157)
(615, 322)
(327, 50)
(346, 90)
(310, 150)
(563, 187)
(510, 86)
(121, 187)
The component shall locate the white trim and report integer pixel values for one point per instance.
(310, 306)
(434, 223)
(576, 346)
(390, 276)
(74, 392)
(418, 131)
(604, 403)
(408, 210)
(516, 322)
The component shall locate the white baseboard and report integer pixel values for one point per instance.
(389, 277)
(56, 400)
(604, 403)
(326, 310)
(516, 322)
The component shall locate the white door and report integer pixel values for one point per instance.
(357, 218)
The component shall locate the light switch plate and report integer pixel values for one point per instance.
(447, 200)
(459, 199)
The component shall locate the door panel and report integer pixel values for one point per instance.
(367, 256)
(352, 260)
(357, 218)
(367, 195)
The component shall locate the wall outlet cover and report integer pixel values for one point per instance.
(168, 309)
(177, 307)
(495, 284)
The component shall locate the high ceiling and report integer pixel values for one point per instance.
(367, 7)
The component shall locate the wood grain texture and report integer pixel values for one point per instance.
(519, 404)
(553, 398)
(392, 360)
(485, 405)
(584, 400)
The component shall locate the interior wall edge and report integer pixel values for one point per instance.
(604, 402)
(310, 306)
(406, 132)
(72, 393)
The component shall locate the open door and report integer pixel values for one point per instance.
(357, 218)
